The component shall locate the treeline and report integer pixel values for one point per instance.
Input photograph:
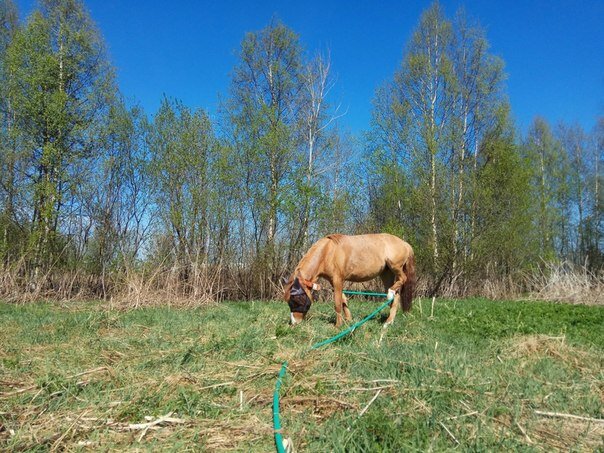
(98, 199)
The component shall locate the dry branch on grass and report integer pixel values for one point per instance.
(370, 402)
(163, 420)
(574, 417)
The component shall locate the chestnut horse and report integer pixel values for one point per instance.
(339, 258)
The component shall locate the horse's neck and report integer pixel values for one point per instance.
(307, 273)
(311, 264)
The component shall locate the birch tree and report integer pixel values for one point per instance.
(478, 93)
(412, 120)
(181, 142)
(8, 144)
(545, 153)
(318, 143)
(429, 126)
(264, 113)
(61, 85)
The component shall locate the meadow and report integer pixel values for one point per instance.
(471, 374)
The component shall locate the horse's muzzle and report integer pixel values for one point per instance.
(296, 318)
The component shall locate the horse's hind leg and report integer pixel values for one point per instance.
(347, 314)
(393, 279)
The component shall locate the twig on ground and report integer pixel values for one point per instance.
(16, 392)
(57, 442)
(164, 419)
(368, 389)
(575, 417)
(370, 402)
(449, 432)
(463, 415)
(213, 386)
(94, 370)
(526, 436)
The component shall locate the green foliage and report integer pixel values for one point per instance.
(181, 144)
(549, 183)
(265, 98)
(97, 199)
(429, 127)
(59, 85)
(505, 237)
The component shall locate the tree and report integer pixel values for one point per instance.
(425, 79)
(181, 143)
(428, 126)
(412, 130)
(597, 228)
(264, 112)
(478, 95)
(319, 143)
(8, 171)
(504, 242)
(61, 85)
(549, 174)
(574, 142)
(114, 212)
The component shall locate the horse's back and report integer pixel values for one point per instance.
(381, 242)
(369, 250)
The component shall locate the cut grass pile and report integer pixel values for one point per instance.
(478, 375)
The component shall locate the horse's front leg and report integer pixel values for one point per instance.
(339, 301)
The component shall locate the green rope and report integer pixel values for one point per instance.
(351, 328)
(364, 293)
(276, 419)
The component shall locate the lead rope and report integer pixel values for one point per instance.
(279, 442)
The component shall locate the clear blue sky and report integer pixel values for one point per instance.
(553, 50)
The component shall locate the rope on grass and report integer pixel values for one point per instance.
(279, 443)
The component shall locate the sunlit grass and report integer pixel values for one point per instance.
(470, 377)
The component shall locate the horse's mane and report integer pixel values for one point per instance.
(310, 254)
(337, 237)
(316, 252)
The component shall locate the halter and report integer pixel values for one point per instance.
(303, 288)
(308, 285)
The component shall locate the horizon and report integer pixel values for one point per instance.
(193, 50)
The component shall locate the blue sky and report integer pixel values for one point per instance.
(553, 50)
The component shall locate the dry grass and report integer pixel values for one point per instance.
(162, 284)
(565, 282)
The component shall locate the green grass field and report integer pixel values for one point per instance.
(89, 377)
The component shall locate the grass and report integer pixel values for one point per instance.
(86, 376)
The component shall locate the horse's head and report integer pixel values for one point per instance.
(299, 297)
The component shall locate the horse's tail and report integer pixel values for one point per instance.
(409, 286)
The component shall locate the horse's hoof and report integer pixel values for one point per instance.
(288, 445)
(386, 324)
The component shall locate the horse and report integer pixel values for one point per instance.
(339, 258)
